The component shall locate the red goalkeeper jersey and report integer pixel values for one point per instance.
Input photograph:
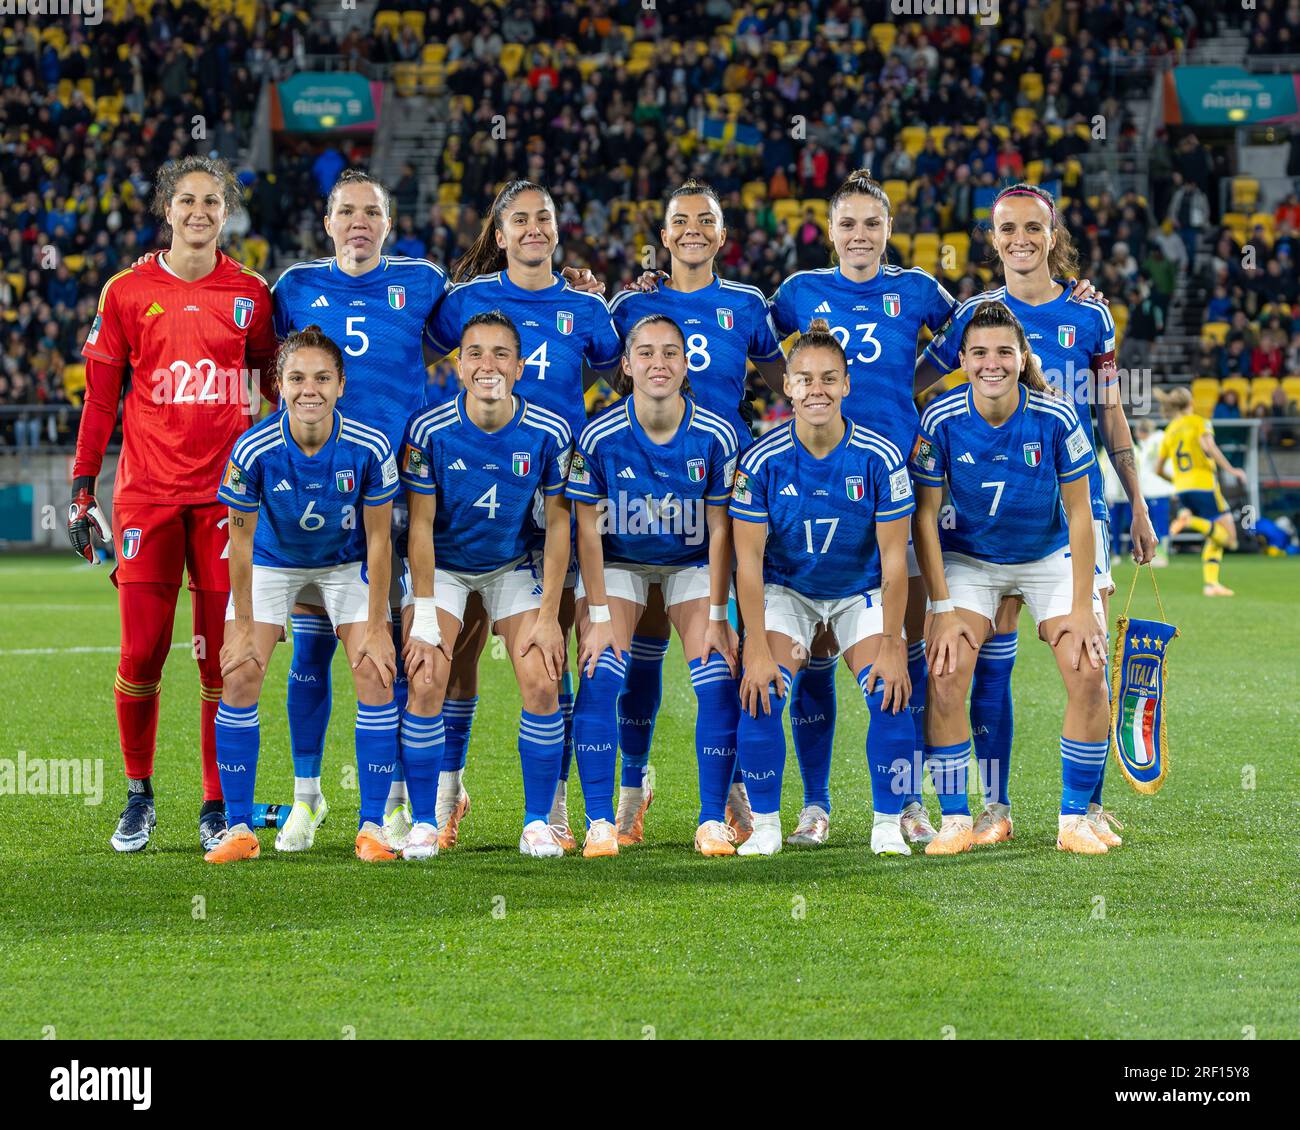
(195, 350)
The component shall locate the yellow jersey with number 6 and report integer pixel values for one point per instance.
(1193, 469)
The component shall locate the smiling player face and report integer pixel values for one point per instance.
(860, 228)
(693, 231)
(489, 362)
(528, 233)
(196, 211)
(1022, 234)
(816, 383)
(358, 224)
(311, 385)
(656, 362)
(993, 360)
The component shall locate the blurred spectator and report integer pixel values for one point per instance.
(1228, 406)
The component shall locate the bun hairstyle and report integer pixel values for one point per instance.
(997, 315)
(313, 337)
(861, 183)
(620, 381)
(484, 256)
(1063, 258)
(817, 336)
(359, 176)
(693, 187)
(171, 174)
(1179, 399)
(494, 318)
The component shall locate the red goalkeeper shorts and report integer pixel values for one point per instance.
(155, 542)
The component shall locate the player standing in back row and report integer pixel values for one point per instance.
(194, 328)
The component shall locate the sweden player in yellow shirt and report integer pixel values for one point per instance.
(1189, 443)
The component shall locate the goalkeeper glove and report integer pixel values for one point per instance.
(748, 412)
(85, 519)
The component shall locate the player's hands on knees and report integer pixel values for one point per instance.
(760, 677)
(548, 638)
(1086, 637)
(721, 637)
(237, 647)
(582, 279)
(1142, 536)
(945, 632)
(417, 658)
(377, 646)
(890, 669)
(86, 519)
(595, 640)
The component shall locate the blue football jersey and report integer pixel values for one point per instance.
(1004, 482)
(487, 482)
(652, 497)
(559, 328)
(821, 514)
(376, 319)
(877, 323)
(1073, 341)
(309, 507)
(725, 324)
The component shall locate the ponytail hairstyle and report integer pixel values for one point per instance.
(693, 187)
(997, 315)
(359, 176)
(484, 256)
(494, 318)
(171, 174)
(817, 336)
(313, 337)
(620, 381)
(861, 183)
(1063, 257)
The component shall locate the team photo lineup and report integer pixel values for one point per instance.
(827, 386)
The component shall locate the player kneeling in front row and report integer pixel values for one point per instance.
(294, 485)
(814, 500)
(651, 478)
(1016, 464)
(473, 468)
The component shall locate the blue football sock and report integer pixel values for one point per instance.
(948, 765)
(918, 671)
(992, 722)
(717, 713)
(422, 741)
(541, 743)
(760, 745)
(595, 734)
(1081, 766)
(238, 738)
(638, 704)
(812, 724)
(566, 712)
(457, 722)
(309, 697)
(376, 737)
(1101, 777)
(889, 749)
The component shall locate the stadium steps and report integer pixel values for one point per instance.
(1226, 49)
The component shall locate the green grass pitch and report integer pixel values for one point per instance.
(1188, 930)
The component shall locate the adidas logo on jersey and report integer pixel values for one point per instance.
(627, 473)
(154, 310)
(788, 489)
(321, 300)
(459, 465)
(823, 308)
(966, 457)
(283, 484)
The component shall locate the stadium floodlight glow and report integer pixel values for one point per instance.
(90, 11)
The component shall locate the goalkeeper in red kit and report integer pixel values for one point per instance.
(193, 327)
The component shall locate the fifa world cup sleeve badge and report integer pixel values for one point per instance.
(1138, 678)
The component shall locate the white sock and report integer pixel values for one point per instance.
(560, 806)
(1002, 811)
(307, 790)
(396, 797)
(885, 818)
(449, 783)
(767, 820)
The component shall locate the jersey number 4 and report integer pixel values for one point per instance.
(488, 501)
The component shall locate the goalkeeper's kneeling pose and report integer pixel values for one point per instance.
(298, 486)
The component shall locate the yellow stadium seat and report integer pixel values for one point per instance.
(1023, 119)
(1291, 386)
(1034, 172)
(1119, 313)
(884, 36)
(900, 244)
(1239, 385)
(434, 52)
(390, 22)
(1261, 391)
(1245, 194)
(734, 102)
(955, 264)
(1216, 332)
(896, 190)
(753, 193)
(1054, 133)
(74, 382)
(913, 139)
(1205, 395)
(821, 208)
(512, 55)
(405, 79)
(87, 88)
(787, 211)
(1264, 220)
(448, 193)
(1031, 85)
(75, 263)
(939, 135)
(970, 131)
(415, 21)
(1238, 223)
(432, 77)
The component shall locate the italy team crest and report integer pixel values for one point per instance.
(345, 481)
(243, 312)
(726, 319)
(1137, 702)
(853, 487)
(397, 297)
(564, 321)
(520, 462)
(1033, 454)
(893, 304)
(695, 470)
(130, 542)
(1065, 335)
